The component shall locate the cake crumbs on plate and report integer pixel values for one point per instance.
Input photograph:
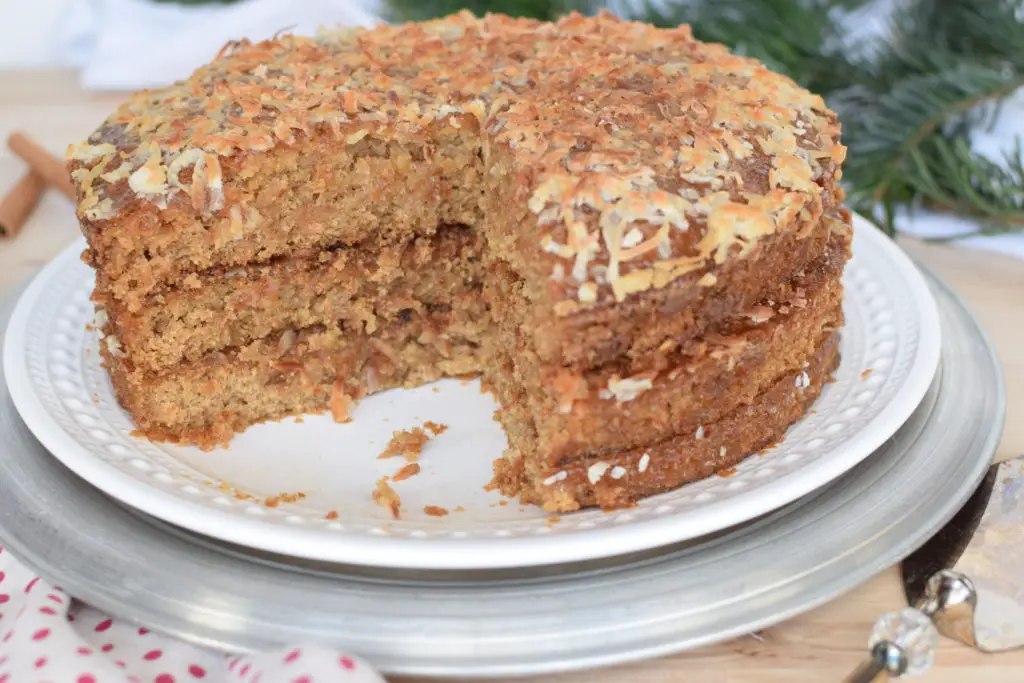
(459, 508)
(274, 501)
(408, 470)
(726, 472)
(553, 520)
(341, 403)
(436, 390)
(331, 515)
(866, 373)
(436, 428)
(386, 497)
(410, 442)
(435, 511)
(235, 493)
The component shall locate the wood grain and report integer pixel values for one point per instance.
(821, 646)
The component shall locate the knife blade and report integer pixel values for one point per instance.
(944, 549)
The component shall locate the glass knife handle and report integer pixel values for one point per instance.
(904, 643)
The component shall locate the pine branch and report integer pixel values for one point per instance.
(548, 10)
(799, 38)
(883, 130)
(985, 30)
(949, 176)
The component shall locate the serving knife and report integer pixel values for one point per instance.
(966, 583)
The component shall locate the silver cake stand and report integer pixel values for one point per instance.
(524, 621)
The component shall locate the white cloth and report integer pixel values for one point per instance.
(49, 638)
(134, 44)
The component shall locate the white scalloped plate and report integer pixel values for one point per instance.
(64, 396)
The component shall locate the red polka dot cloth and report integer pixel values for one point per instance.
(46, 637)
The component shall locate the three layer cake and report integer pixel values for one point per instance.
(635, 237)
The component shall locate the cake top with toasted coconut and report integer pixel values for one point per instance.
(646, 155)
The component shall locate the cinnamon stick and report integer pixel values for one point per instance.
(50, 167)
(18, 203)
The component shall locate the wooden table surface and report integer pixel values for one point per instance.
(818, 647)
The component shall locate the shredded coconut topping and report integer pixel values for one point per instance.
(645, 155)
(555, 478)
(627, 389)
(596, 471)
(645, 461)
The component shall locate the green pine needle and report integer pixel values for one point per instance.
(547, 10)
(883, 130)
(788, 36)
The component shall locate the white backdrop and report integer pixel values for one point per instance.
(34, 33)
(27, 32)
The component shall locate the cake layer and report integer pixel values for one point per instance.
(315, 193)
(205, 403)
(359, 287)
(679, 314)
(616, 479)
(640, 332)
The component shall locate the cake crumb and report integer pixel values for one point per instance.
(553, 520)
(408, 470)
(386, 497)
(435, 510)
(727, 472)
(406, 442)
(341, 403)
(866, 373)
(274, 501)
(235, 493)
(436, 428)
(459, 508)
(331, 515)
(503, 502)
(299, 420)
